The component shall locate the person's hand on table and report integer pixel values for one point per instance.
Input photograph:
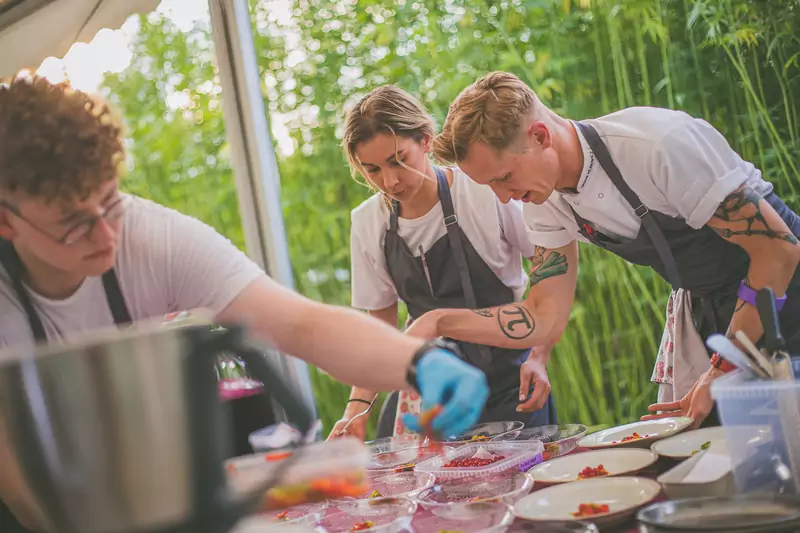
(533, 372)
(697, 403)
(358, 427)
(460, 388)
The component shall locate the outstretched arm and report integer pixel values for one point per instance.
(540, 320)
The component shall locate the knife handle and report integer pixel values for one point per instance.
(765, 303)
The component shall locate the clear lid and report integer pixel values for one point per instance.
(515, 455)
(738, 513)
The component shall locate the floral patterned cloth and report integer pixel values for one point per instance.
(407, 402)
(682, 356)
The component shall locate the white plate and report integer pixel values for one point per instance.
(617, 462)
(623, 495)
(654, 429)
(684, 445)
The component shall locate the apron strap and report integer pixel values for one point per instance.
(13, 266)
(453, 235)
(648, 220)
(393, 215)
(457, 246)
(116, 302)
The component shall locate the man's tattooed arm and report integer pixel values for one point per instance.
(540, 319)
(741, 215)
(543, 267)
(747, 220)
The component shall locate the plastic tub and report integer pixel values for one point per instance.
(517, 455)
(477, 517)
(558, 439)
(403, 460)
(485, 432)
(387, 515)
(762, 430)
(308, 514)
(403, 485)
(332, 469)
(393, 444)
(507, 487)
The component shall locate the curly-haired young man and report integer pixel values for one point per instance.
(78, 254)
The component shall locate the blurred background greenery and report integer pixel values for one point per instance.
(734, 63)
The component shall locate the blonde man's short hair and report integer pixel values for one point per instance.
(491, 110)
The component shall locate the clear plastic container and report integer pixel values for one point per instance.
(393, 444)
(507, 487)
(477, 517)
(333, 469)
(403, 460)
(403, 485)
(308, 514)
(558, 439)
(486, 431)
(761, 420)
(516, 455)
(383, 515)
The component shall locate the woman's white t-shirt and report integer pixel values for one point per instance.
(496, 230)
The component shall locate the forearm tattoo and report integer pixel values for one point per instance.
(515, 321)
(741, 208)
(555, 264)
(483, 312)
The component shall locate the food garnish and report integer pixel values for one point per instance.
(425, 420)
(590, 472)
(630, 438)
(362, 526)
(375, 494)
(473, 462)
(282, 516)
(590, 509)
(405, 467)
(479, 438)
(706, 445)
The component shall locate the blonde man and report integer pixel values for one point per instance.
(654, 186)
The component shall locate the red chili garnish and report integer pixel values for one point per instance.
(282, 516)
(472, 462)
(590, 509)
(589, 472)
(635, 436)
(425, 420)
(362, 526)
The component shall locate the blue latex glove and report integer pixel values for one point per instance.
(461, 390)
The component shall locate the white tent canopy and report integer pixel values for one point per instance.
(33, 30)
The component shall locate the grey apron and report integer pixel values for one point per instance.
(116, 303)
(698, 260)
(451, 274)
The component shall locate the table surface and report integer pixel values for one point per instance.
(631, 526)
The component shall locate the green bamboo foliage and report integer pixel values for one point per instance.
(735, 63)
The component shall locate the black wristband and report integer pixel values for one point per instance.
(433, 344)
(359, 400)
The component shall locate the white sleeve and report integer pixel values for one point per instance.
(203, 268)
(512, 225)
(543, 226)
(696, 169)
(372, 287)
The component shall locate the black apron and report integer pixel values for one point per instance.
(116, 303)
(698, 260)
(451, 274)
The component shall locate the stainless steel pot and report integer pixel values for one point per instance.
(123, 433)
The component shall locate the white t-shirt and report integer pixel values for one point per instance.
(677, 165)
(496, 231)
(166, 262)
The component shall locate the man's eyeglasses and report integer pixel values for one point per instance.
(111, 213)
